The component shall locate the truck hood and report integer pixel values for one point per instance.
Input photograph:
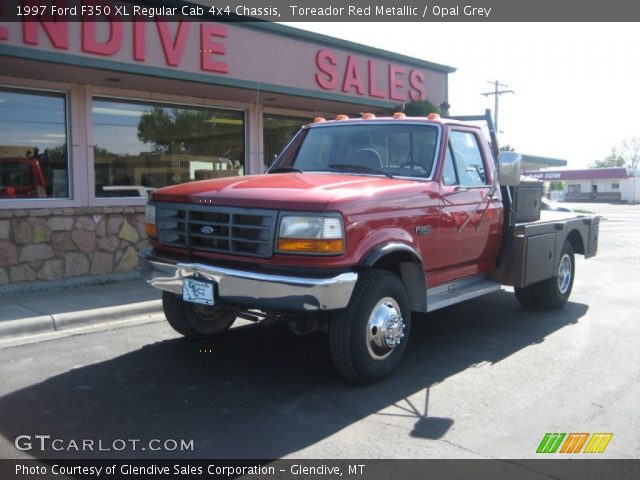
(311, 191)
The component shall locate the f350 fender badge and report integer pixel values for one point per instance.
(423, 230)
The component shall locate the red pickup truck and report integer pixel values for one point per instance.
(359, 223)
(21, 178)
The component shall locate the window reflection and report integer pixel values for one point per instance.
(278, 132)
(143, 146)
(33, 145)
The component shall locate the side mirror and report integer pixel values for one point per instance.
(509, 168)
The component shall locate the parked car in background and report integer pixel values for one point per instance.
(549, 205)
(126, 191)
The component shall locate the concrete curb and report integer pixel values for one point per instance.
(64, 321)
(60, 310)
(106, 314)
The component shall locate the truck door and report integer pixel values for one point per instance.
(469, 236)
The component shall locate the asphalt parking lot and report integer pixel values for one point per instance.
(484, 379)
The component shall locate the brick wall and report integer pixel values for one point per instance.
(66, 244)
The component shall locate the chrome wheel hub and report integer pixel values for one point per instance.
(385, 328)
(564, 274)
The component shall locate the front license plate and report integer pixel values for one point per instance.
(197, 291)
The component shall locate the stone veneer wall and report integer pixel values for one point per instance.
(68, 245)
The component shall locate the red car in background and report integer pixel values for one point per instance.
(21, 178)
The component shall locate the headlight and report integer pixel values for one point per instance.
(322, 234)
(150, 221)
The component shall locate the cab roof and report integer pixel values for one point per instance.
(432, 118)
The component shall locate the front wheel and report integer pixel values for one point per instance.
(194, 320)
(369, 337)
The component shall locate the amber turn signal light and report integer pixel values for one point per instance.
(302, 245)
(151, 230)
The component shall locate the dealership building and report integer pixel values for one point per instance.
(93, 116)
(613, 184)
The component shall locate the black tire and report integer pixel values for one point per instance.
(355, 348)
(196, 321)
(554, 292)
(526, 296)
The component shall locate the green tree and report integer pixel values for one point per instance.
(175, 130)
(196, 132)
(614, 159)
(420, 108)
(631, 151)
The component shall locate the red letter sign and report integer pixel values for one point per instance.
(91, 45)
(373, 84)
(326, 63)
(416, 81)
(208, 47)
(139, 40)
(395, 82)
(352, 77)
(173, 48)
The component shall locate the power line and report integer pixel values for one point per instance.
(496, 93)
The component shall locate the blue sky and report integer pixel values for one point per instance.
(577, 84)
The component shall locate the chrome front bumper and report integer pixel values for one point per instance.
(261, 291)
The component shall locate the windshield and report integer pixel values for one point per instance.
(394, 149)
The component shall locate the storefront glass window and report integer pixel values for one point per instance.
(278, 131)
(34, 161)
(143, 146)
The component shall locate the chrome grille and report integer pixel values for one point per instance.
(212, 228)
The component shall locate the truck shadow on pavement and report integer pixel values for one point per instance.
(262, 392)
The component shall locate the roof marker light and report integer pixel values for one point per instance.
(368, 116)
(342, 117)
(319, 120)
(399, 115)
(434, 116)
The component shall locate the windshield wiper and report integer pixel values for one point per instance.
(285, 169)
(359, 169)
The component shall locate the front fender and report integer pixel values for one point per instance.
(384, 241)
(404, 259)
(380, 251)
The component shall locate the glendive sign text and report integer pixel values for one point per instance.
(233, 51)
(353, 77)
(212, 48)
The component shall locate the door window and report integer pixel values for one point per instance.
(467, 158)
(449, 175)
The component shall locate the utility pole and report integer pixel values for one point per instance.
(496, 93)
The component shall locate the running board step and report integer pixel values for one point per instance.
(459, 291)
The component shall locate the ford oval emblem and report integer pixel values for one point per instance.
(207, 230)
